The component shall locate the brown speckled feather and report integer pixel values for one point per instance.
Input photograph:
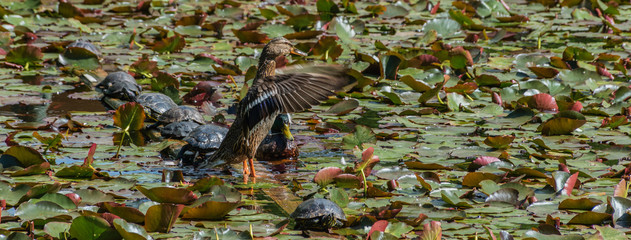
(268, 97)
(271, 95)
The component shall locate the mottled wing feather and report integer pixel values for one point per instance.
(288, 93)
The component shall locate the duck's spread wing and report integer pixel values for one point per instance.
(291, 92)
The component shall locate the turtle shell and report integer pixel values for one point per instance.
(178, 130)
(155, 104)
(318, 214)
(120, 85)
(206, 137)
(77, 47)
(181, 113)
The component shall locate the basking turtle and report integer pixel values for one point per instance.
(202, 140)
(178, 130)
(80, 50)
(318, 214)
(181, 113)
(81, 45)
(155, 104)
(119, 85)
(279, 143)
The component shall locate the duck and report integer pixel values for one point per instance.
(279, 143)
(271, 95)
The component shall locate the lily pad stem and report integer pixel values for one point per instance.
(365, 183)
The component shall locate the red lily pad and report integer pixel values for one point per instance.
(543, 102)
(348, 181)
(378, 226)
(327, 175)
(570, 183)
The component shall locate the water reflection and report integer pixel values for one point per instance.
(58, 105)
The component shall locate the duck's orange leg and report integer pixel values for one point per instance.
(252, 172)
(246, 171)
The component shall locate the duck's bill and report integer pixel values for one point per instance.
(287, 132)
(298, 52)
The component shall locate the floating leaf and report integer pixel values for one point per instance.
(160, 218)
(25, 55)
(473, 179)
(216, 206)
(499, 142)
(250, 36)
(128, 213)
(361, 135)
(590, 218)
(543, 102)
(451, 198)
(579, 204)
(344, 107)
(327, 47)
(170, 44)
(562, 123)
(92, 227)
(348, 181)
(26, 156)
(379, 226)
(39, 210)
(505, 195)
(130, 117)
(327, 175)
(168, 195)
(130, 231)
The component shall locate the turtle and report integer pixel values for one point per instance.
(178, 130)
(119, 85)
(181, 113)
(83, 45)
(318, 214)
(202, 140)
(155, 104)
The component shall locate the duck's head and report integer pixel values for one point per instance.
(281, 125)
(279, 46)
